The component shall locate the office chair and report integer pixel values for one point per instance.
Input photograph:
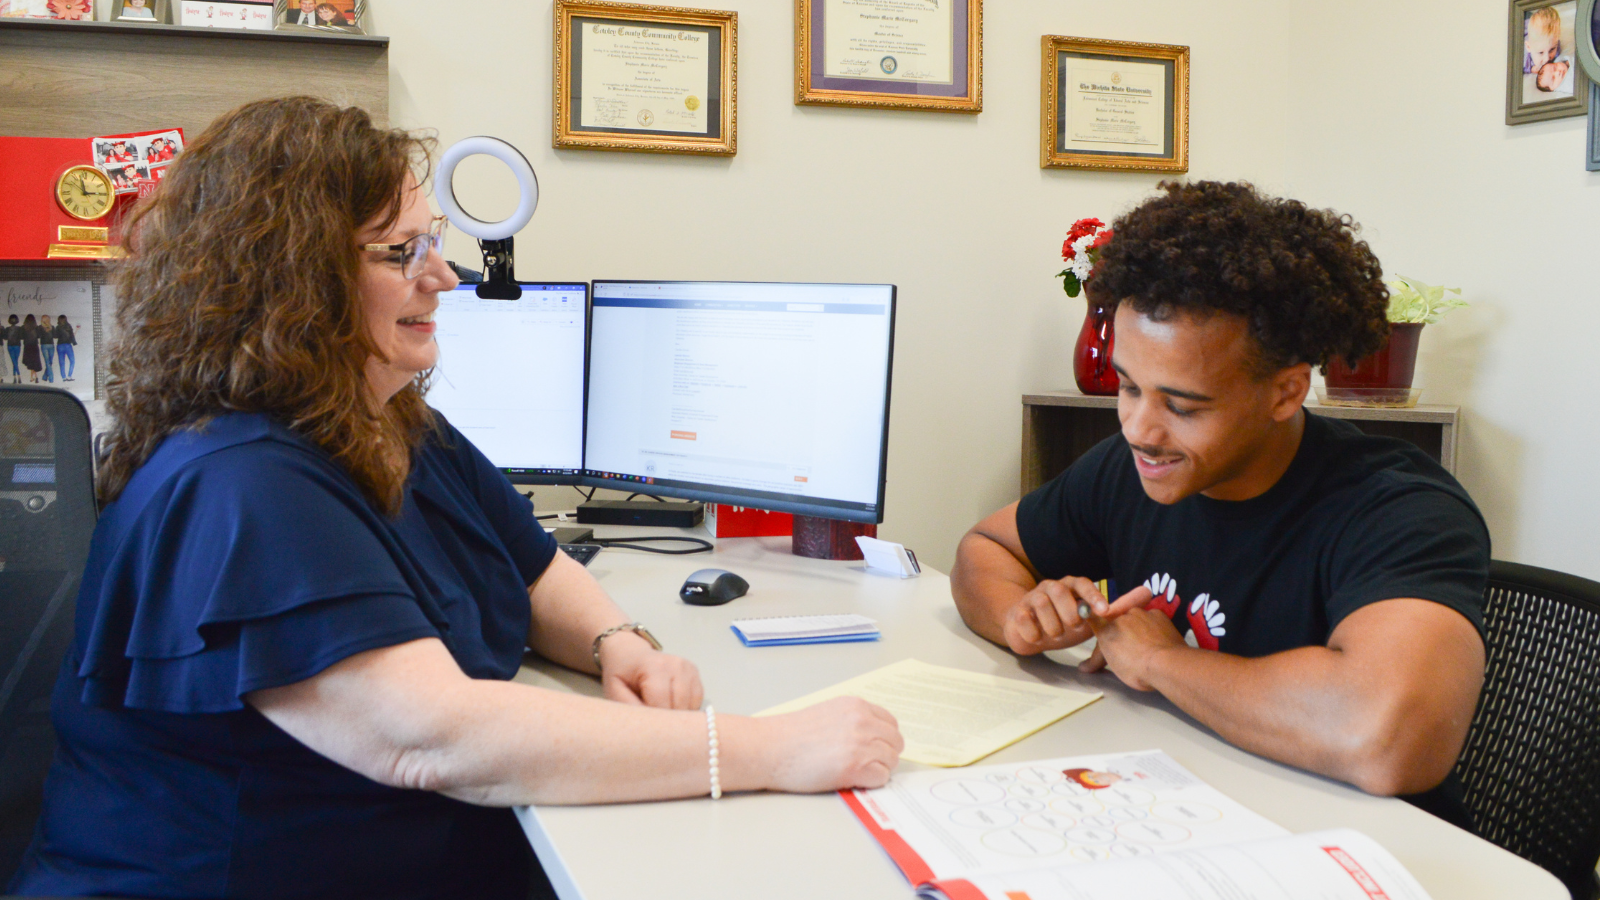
(1531, 765)
(47, 515)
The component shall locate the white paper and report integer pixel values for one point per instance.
(889, 40)
(1113, 105)
(779, 627)
(75, 299)
(644, 76)
(1014, 817)
(1327, 865)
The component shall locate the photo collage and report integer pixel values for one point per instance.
(137, 162)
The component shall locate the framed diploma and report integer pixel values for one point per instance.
(657, 79)
(1114, 105)
(891, 54)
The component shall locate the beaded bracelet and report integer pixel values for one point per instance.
(711, 739)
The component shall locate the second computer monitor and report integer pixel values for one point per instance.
(773, 396)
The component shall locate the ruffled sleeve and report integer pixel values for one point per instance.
(238, 559)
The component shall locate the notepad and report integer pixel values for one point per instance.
(780, 630)
(952, 717)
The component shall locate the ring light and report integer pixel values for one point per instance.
(527, 182)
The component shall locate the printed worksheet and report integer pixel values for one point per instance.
(939, 825)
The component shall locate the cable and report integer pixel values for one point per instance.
(637, 543)
(586, 497)
(646, 496)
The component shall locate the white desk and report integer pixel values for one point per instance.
(776, 845)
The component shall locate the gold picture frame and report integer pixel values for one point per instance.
(886, 83)
(1125, 93)
(607, 40)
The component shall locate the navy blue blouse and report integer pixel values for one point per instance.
(241, 557)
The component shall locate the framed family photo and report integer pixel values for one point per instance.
(1543, 80)
(337, 15)
(1114, 105)
(153, 12)
(656, 79)
(890, 54)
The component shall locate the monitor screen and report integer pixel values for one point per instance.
(510, 377)
(774, 396)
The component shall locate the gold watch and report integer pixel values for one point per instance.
(634, 627)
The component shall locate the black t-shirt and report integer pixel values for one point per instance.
(1356, 519)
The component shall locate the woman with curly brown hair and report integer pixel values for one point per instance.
(1331, 583)
(307, 593)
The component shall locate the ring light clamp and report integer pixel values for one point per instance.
(494, 238)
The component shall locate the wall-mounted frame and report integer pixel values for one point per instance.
(152, 12)
(889, 54)
(1114, 105)
(1543, 80)
(656, 79)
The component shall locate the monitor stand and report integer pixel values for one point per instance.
(819, 538)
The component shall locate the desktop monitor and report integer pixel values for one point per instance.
(772, 396)
(510, 377)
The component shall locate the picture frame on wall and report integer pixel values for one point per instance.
(152, 12)
(1543, 76)
(345, 16)
(890, 54)
(653, 79)
(1115, 105)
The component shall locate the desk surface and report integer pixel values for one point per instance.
(780, 845)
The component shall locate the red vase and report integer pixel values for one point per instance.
(1382, 379)
(1091, 359)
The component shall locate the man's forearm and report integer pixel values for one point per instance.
(1303, 708)
(986, 581)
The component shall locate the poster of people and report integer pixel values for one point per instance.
(49, 334)
(132, 160)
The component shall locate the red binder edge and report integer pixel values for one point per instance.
(911, 865)
(962, 889)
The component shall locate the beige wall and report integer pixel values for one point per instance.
(1391, 112)
(954, 209)
(1399, 119)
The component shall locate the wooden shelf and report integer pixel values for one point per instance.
(82, 79)
(1060, 426)
(159, 30)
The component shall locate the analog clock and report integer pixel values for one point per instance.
(85, 192)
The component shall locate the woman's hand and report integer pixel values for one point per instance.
(631, 671)
(841, 743)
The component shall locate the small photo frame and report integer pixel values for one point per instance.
(324, 15)
(655, 79)
(149, 12)
(1543, 77)
(1114, 105)
(890, 54)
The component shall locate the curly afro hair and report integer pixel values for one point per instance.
(1309, 290)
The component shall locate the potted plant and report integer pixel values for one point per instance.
(1384, 378)
(1091, 358)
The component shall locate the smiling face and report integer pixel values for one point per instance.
(399, 310)
(1195, 412)
(326, 13)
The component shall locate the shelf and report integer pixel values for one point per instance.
(157, 30)
(1060, 426)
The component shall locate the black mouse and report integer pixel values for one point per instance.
(712, 587)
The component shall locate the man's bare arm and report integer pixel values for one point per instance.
(1001, 597)
(1384, 706)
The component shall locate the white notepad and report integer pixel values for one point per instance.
(805, 630)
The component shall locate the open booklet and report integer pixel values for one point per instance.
(1109, 827)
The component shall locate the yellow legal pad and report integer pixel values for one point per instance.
(951, 717)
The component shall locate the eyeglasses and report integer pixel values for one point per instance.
(414, 252)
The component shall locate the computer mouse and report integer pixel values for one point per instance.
(712, 587)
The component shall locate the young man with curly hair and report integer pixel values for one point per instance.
(1331, 583)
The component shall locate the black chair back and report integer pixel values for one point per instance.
(47, 515)
(1531, 765)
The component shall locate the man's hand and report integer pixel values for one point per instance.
(631, 671)
(1129, 643)
(1046, 618)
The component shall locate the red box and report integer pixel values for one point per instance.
(29, 215)
(740, 521)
